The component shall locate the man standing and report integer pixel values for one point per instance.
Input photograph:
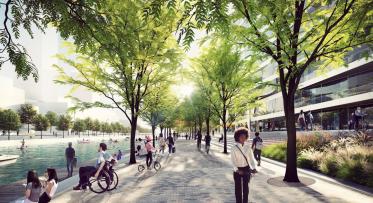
(70, 155)
(171, 143)
(257, 147)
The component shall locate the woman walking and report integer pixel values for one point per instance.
(243, 165)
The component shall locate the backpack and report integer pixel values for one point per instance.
(259, 144)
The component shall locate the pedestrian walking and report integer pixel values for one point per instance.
(221, 138)
(161, 143)
(243, 165)
(310, 120)
(302, 120)
(257, 147)
(171, 143)
(119, 156)
(70, 156)
(207, 145)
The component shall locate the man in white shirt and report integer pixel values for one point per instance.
(243, 164)
(88, 171)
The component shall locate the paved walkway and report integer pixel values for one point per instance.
(193, 176)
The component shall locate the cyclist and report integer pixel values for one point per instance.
(88, 171)
(149, 149)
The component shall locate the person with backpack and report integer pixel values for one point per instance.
(257, 147)
(243, 162)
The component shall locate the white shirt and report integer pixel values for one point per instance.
(53, 189)
(238, 160)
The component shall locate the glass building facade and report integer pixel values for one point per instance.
(324, 98)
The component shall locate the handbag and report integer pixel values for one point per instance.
(245, 170)
(75, 161)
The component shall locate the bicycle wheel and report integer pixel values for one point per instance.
(101, 184)
(157, 165)
(114, 181)
(141, 168)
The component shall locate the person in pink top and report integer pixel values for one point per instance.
(149, 149)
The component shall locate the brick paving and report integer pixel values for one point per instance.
(193, 176)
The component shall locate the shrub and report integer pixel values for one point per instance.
(309, 158)
(275, 151)
(313, 139)
(329, 165)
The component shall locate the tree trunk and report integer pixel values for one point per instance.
(133, 135)
(153, 133)
(291, 174)
(41, 134)
(63, 134)
(8, 134)
(28, 127)
(225, 129)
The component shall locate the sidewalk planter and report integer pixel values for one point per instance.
(344, 158)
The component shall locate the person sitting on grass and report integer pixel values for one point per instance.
(88, 171)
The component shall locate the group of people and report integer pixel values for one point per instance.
(305, 120)
(207, 140)
(169, 141)
(41, 191)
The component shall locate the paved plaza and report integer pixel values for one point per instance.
(193, 176)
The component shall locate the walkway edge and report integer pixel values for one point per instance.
(358, 188)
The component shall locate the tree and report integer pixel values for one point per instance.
(295, 35)
(9, 120)
(122, 56)
(52, 117)
(23, 16)
(156, 106)
(227, 82)
(64, 123)
(41, 124)
(27, 114)
(88, 124)
(96, 126)
(79, 126)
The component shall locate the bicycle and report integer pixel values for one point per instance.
(156, 163)
(106, 181)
